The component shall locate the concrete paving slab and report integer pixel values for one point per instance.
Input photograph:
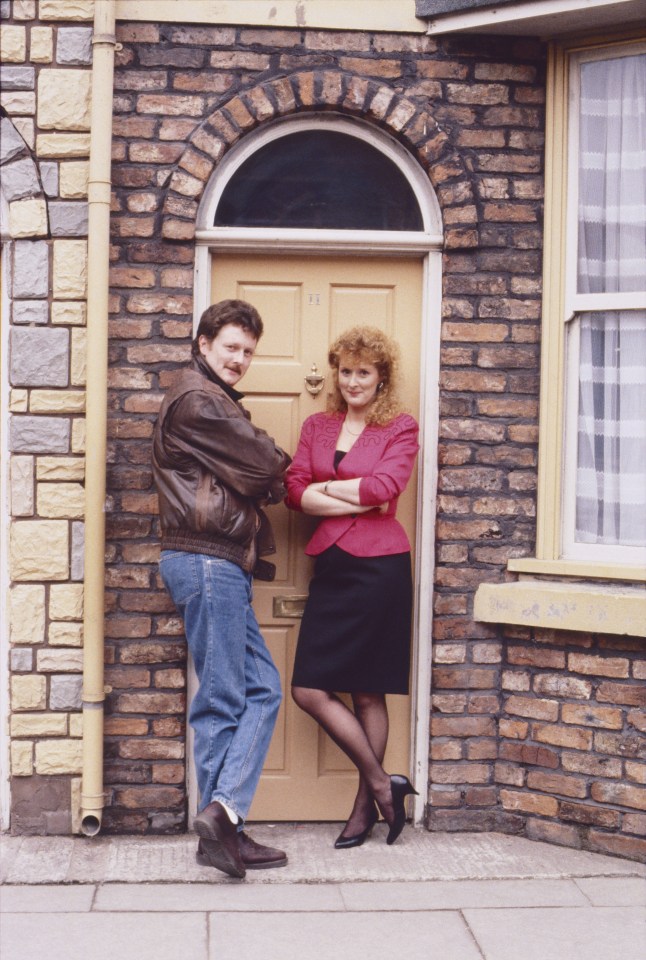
(571, 933)
(8, 853)
(460, 894)
(614, 891)
(417, 856)
(236, 896)
(315, 936)
(102, 936)
(156, 860)
(90, 858)
(42, 860)
(46, 899)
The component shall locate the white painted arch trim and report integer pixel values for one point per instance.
(427, 245)
(378, 139)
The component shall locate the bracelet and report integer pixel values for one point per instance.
(327, 484)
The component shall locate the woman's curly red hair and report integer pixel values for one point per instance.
(369, 345)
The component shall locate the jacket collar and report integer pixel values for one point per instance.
(199, 363)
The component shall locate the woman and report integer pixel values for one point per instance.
(351, 465)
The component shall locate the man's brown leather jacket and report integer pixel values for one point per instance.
(214, 471)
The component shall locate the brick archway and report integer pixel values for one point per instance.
(317, 91)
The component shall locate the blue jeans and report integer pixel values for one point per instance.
(234, 710)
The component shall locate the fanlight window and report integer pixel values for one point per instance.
(319, 179)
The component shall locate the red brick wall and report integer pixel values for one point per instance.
(565, 759)
(525, 736)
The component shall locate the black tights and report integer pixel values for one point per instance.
(362, 736)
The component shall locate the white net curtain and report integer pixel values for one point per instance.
(611, 462)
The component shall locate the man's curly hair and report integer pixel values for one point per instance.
(368, 345)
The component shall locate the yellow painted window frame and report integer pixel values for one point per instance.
(548, 560)
(552, 592)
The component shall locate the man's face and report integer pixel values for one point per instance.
(229, 353)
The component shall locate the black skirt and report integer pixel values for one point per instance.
(356, 629)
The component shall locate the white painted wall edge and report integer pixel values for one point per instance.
(5, 760)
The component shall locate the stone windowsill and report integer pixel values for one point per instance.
(587, 607)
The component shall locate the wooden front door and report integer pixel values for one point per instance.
(305, 303)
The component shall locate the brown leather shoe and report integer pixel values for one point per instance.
(219, 840)
(255, 856)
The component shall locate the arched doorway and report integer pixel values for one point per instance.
(323, 222)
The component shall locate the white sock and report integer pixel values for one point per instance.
(233, 817)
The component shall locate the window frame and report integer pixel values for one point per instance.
(319, 178)
(555, 553)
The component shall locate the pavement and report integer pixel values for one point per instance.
(431, 896)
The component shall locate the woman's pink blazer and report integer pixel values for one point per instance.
(382, 456)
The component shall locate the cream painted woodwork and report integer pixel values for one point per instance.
(305, 303)
(386, 15)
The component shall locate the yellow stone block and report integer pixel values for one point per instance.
(28, 692)
(66, 9)
(39, 725)
(49, 146)
(13, 44)
(59, 756)
(22, 758)
(60, 468)
(18, 401)
(28, 218)
(65, 634)
(41, 46)
(78, 362)
(59, 661)
(73, 179)
(27, 614)
(60, 500)
(21, 484)
(24, 9)
(57, 401)
(78, 436)
(18, 102)
(64, 99)
(76, 724)
(73, 313)
(70, 269)
(39, 550)
(66, 601)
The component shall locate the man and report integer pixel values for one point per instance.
(214, 471)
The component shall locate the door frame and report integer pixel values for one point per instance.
(425, 245)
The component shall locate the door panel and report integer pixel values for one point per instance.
(305, 304)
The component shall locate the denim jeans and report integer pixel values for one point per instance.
(234, 710)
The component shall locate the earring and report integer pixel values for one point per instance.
(380, 386)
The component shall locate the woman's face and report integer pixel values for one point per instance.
(357, 382)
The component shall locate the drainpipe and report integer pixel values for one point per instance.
(104, 43)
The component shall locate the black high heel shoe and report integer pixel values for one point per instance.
(344, 843)
(401, 787)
